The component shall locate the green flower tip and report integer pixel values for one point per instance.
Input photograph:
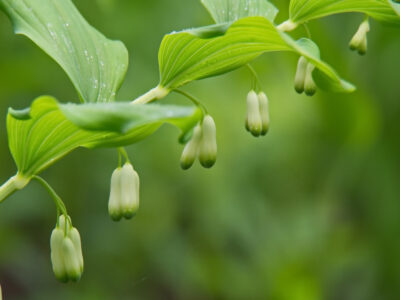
(124, 194)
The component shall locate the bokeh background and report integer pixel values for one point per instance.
(310, 212)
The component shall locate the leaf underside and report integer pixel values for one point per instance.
(49, 135)
(185, 57)
(382, 10)
(95, 64)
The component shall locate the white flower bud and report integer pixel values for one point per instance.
(57, 257)
(124, 194)
(253, 120)
(309, 85)
(362, 49)
(129, 191)
(264, 112)
(208, 144)
(359, 40)
(300, 75)
(71, 260)
(76, 240)
(191, 149)
(114, 203)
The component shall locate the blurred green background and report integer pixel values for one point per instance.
(309, 212)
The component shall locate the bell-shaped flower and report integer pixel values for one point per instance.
(124, 194)
(359, 40)
(191, 149)
(208, 144)
(300, 75)
(66, 251)
(264, 112)
(253, 119)
(309, 85)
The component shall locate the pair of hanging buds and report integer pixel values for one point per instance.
(203, 144)
(257, 120)
(66, 251)
(124, 194)
(304, 81)
(359, 41)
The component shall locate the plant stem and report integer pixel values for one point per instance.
(17, 182)
(193, 99)
(287, 26)
(157, 93)
(123, 152)
(57, 200)
(255, 75)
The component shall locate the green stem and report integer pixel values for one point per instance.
(157, 93)
(57, 200)
(193, 99)
(287, 26)
(308, 32)
(15, 183)
(255, 75)
(123, 152)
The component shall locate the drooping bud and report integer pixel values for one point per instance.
(359, 40)
(57, 257)
(362, 49)
(124, 194)
(76, 240)
(66, 251)
(300, 75)
(114, 202)
(253, 120)
(71, 260)
(208, 144)
(309, 85)
(129, 191)
(264, 111)
(191, 149)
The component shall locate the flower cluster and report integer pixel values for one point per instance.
(257, 120)
(203, 145)
(66, 251)
(304, 81)
(124, 194)
(359, 41)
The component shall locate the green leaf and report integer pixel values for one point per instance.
(185, 57)
(48, 135)
(228, 11)
(123, 117)
(304, 10)
(95, 64)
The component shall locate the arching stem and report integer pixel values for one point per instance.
(57, 200)
(193, 99)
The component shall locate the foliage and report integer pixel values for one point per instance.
(245, 29)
